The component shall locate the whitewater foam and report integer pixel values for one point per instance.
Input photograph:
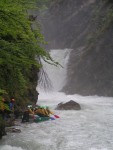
(8, 147)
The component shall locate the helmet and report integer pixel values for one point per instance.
(13, 100)
(29, 106)
(41, 107)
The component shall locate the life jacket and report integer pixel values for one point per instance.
(2, 107)
(49, 112)
(41, 111)
(30, 111)
(45, 112)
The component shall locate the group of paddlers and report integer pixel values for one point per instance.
(6, 108)
(8, 112)
(39, 111)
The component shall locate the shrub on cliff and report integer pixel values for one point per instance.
(19, 46)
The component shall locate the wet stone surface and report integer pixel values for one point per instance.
(71, 105)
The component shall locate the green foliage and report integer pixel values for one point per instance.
(19, 46)
(3, 106)
(2, 92)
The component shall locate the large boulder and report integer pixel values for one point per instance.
(71, 105)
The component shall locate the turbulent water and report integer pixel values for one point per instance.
(91, 128)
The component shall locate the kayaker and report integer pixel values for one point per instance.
(43, 112)
(25, 117)
(12, 104)
(49, 111)
(26, 114)
(5, 109)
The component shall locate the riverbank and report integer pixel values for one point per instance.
(9, 125)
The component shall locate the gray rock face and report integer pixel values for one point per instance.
(71, 105)
(78, 24)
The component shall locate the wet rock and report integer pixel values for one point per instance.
(2, 127)
(13, 130)
(71, 105)
(17, 122)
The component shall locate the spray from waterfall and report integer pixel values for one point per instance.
(53, 78)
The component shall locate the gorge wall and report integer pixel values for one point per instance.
(86, 26)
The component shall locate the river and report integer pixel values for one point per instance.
(90, 128)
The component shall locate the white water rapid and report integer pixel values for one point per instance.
(91, 128)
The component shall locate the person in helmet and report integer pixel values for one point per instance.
(12, 104)
(42, 111)
(26, 114)
(5, 108)
(49, 111)
(25, 117)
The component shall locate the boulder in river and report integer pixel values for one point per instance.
(71, 105)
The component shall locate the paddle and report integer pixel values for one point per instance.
(56, 116)
(52, 118)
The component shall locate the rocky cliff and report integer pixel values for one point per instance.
(86, 26)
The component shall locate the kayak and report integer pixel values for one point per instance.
(41, 119)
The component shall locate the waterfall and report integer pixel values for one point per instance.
(57, 75)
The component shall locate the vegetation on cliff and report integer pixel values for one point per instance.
(19, 48)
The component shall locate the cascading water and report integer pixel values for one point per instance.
(87, 129)
(57, 74)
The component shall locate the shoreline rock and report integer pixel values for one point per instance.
(13, 130)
